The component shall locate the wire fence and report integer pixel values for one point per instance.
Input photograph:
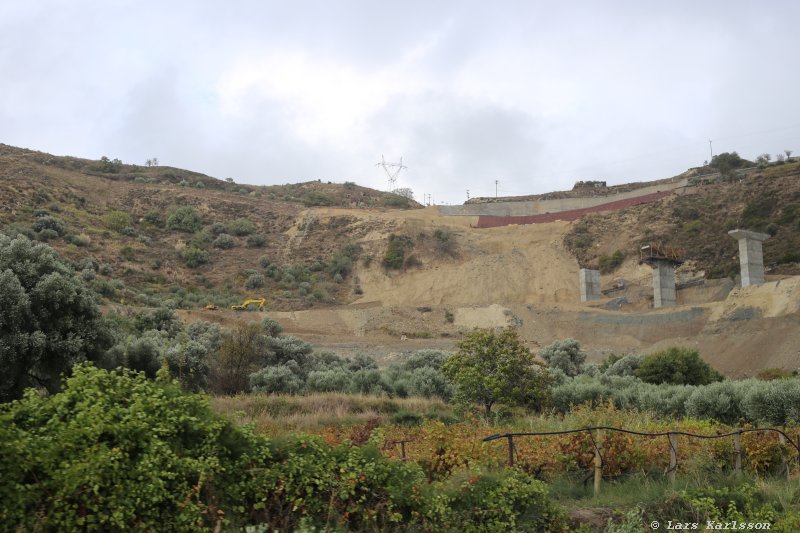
(596, 435)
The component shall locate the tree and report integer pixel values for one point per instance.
(242, 351)
(676, 365)
(49, 319)
(565, 355)
(405, 192)
(492, 367)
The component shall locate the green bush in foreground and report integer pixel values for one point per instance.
(115, 451)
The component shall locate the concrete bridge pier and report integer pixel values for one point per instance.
(664, 294)
(590, 284)
(751, 255)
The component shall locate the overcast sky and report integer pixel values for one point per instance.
(534, 94)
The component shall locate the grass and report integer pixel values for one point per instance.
(285, 413)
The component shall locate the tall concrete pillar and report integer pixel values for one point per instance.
(751, 255)
(590, 284)
(664, 284)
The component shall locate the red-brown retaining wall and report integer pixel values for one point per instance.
(491, 221)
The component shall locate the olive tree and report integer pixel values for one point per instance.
(49, 318)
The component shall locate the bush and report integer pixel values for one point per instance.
(679, 366)
(47, 235)
(608, 263)
(154, 218)
(242, 351)
(224, 241)
(117, 220)
(565, 355)
(721, 401)
(47, 222)
(241, 227)
(254, 281)
(280, 379)
(271, 327)
(195, 257)
(256, 240)
(264, 261)
(445, 243)
(394, 258)
(332, 380)
(184, 219)
(130, 458)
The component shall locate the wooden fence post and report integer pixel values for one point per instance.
(598, 462)
(403, 449)
(737, 447)
(673, 456)
(510, 450)
(784, 458)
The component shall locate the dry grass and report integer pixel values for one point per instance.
(273, 414)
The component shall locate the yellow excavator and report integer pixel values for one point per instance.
(243, 306)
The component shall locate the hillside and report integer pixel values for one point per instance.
(361, 271)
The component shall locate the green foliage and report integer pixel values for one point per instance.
(395, 200)
(161, 319)
(184, 218)
(277, 379)
(722, 401)
(271, 327)
(242, 351)
(394, 258)
(726, 162)
(503, 500)
(49, 223)
(676, 365)
(241, 227)
(565, 355)
(195, 257)
(154, 218)
(109, 166)
(117, 220)
(49, 318)
(609, 263)
(444, 242)
(224, 241)
(256, 240)
(757, 213)
(623, 366)
(254, 281)
(115, 451)
(491, 368)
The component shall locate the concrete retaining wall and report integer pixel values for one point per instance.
(537, 207)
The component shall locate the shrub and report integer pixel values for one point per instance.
(429, 382)
(565, 355)
(241, 227)
(47, 235)
(217, 228)
(224, 241)
(161, 319)
(254, 281)
(264, 261)
(608, 263)
(242, 351)
(394, 257)
(130, 458)
(47, 222)
(445, 243)
(154, 218)
(721, 401)
(256, 240)
(271, 327)
(426, 359)
(773, 402)
(195, 257)
(117, 220)
(280, 379)
(676, 365)
(331, 380)
(185, 219)
(624, 366)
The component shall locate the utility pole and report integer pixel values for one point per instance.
(495, 188)
(710, 149)
(467, 194)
